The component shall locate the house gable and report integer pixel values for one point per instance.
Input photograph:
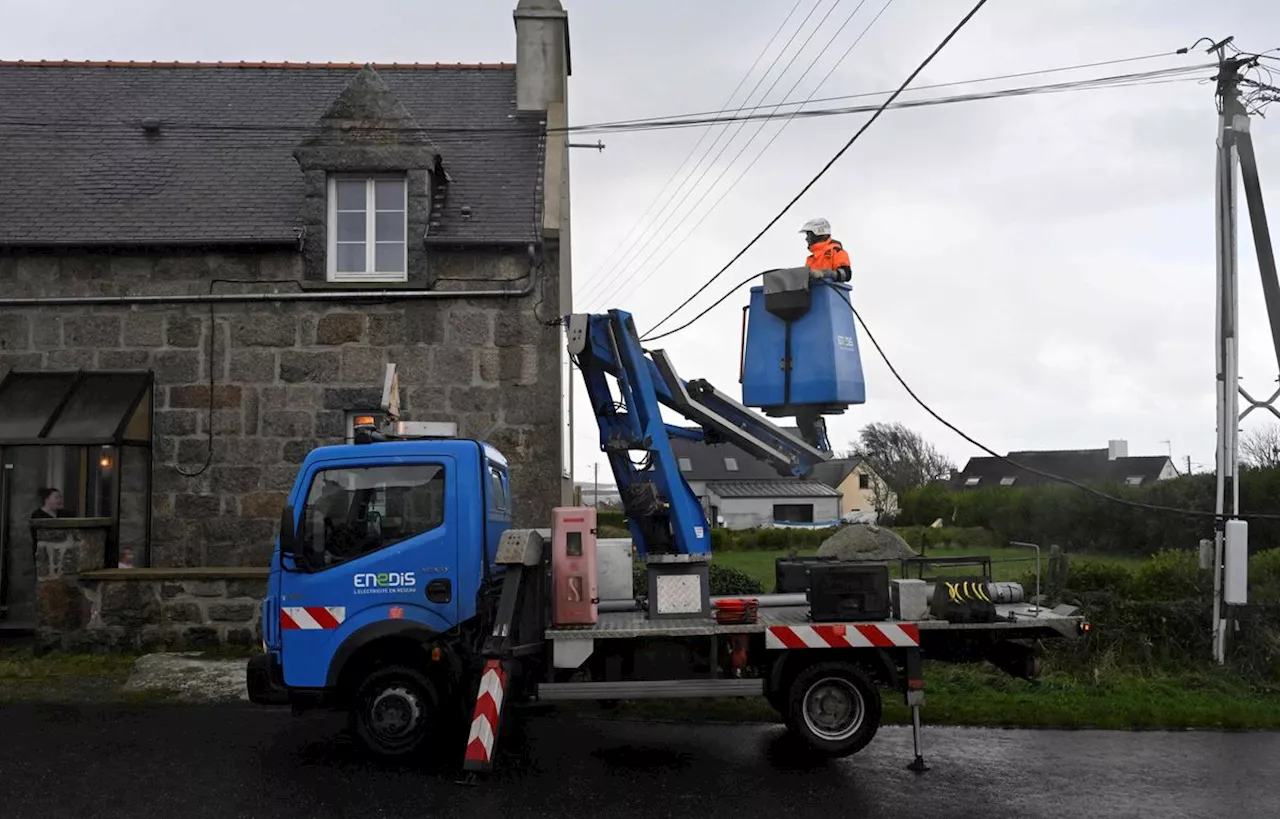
(368, 134)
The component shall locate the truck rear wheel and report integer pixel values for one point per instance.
(395, 709)
(835, 707)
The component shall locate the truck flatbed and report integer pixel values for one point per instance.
(1014, 617)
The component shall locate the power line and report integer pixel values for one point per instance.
(1152, 507)
(830, 162)
(671, 251)
(657, 198)
(753, 276)
(916, 89)
(620, 271)
(109, 142)
(1097, 82)
(618, 126)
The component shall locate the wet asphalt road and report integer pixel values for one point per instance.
(241, 761)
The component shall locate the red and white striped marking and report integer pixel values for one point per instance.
(312, 617)
(484, 725)
(853, 635)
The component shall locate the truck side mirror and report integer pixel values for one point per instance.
(288, 531)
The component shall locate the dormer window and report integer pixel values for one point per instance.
(367, 228)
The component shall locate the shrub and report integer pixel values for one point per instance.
(1170, 575)
(1264, 577)
(728, 580)
(1083, 522)
(724, 580)
(1088, 576)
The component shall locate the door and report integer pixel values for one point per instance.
(23, 471)
(376, 542)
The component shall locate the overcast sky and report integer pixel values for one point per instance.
(1040, 269)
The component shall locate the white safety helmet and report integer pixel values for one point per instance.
(818, 227)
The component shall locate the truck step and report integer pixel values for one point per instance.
(649, 689)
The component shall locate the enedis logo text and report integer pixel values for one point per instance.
(384, 582)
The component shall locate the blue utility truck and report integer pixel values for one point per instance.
(401, 594)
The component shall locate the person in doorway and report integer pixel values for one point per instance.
(827, 257)
(50, 507)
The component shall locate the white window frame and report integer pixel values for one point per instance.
(972, 481)
(731, 464)
(370, 228)
(1008, 481)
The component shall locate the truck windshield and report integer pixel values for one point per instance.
(354, 511)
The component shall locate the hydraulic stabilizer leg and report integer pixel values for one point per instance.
(915, 701)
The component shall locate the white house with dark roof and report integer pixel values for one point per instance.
(739, 491)
(1110, 466)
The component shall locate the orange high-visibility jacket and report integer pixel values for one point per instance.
(828, 255)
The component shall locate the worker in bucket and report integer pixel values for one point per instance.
(827, 257)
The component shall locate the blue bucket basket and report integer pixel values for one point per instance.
(800, 354)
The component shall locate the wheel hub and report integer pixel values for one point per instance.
(395, 713)
(833, 709)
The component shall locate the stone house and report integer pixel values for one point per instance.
(216, 262)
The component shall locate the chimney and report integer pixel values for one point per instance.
(1117, 448)
(542, 54)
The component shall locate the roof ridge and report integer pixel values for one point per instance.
(241, 64)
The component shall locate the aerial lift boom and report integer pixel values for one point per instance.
(664, 514)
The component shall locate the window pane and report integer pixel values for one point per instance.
(352, 512)
(351, 227)
(389, 194)
(389, 257)
(351, 258)
(351, 194)
(390, 226)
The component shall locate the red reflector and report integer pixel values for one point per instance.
(915, 685)
(396, 613)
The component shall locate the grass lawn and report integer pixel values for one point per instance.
(979, 695)
(1007, 563)
(63, 677)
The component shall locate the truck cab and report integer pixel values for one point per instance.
(377, 581)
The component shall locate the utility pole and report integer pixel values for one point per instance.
(1188, 464)
(1227, 309)
(596, 490)
(1235, 154)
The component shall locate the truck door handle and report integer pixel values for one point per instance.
(439, 591)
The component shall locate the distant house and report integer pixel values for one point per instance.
(1112, 465)
(739, 491)
(864, 493)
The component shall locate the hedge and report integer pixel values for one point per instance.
(1160, 615)
(1083, 522)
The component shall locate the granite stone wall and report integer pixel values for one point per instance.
(285, 374)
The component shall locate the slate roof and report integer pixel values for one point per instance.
(834, 472)
(1084, 465)
(781, 488)
(708, 462)
(78, 167)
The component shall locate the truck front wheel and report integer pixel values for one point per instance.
(835, 707)
(395, 709)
